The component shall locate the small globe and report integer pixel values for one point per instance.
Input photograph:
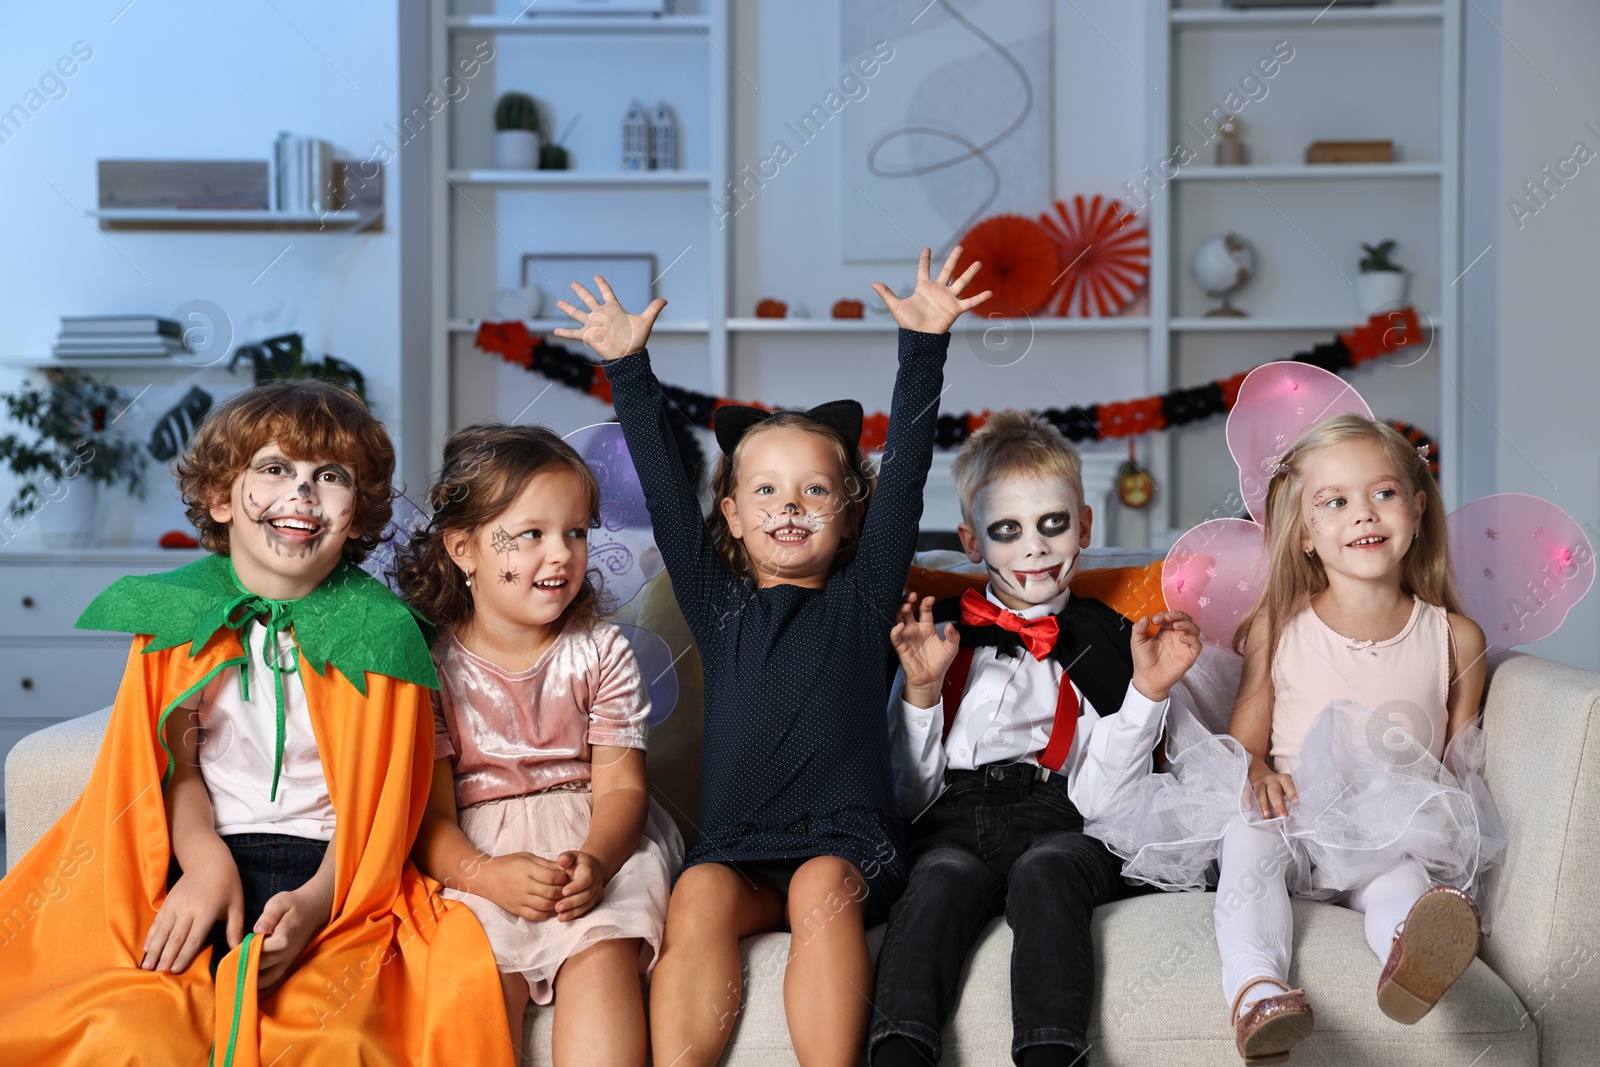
(1222, 266)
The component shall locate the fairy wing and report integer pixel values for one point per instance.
(1216, 572)
(1521, 563)
(404, 522)
(1277, 403)
(623, 555)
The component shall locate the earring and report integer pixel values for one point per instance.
(1310, 552)
(469, 581)
(1414, 534)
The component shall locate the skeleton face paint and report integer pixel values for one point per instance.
(288, 521)
(1028, 530)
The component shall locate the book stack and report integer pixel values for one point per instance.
(118, 337)
(302, 175)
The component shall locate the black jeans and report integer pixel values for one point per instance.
(997, 841)
(268, 864)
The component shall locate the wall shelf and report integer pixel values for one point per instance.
(173, 194)
(663, 326)
(670, 22)
(581, 179)
(153, 363)
(1306, 17)
(1308, 172)
(967, 324)
(174, 218)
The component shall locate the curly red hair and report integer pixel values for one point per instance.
(308, 420)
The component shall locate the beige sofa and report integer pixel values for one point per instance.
(1532, 998)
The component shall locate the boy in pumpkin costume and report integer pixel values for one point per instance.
(234, 886)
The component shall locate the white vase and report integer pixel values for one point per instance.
(1381, 290)
(66, 516)
(516, 150)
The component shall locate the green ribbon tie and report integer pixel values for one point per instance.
(239, 613)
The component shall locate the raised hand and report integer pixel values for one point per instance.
(924, 655)
(1160, 659)
(607, 329)
(935, 304)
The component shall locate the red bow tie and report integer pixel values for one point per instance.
(1038, 635)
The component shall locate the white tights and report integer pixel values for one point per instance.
(1255, 928)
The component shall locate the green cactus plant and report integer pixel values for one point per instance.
(516, 111)
(1377, 258)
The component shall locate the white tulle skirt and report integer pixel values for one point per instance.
(548, 824)
(1370, 796)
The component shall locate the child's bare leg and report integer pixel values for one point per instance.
(697, 988)
(515, 988)
(599, 1007)
(827, 988)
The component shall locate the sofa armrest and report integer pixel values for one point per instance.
(1542, 722)
(45, 772)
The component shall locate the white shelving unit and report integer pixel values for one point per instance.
(1306, 221)
(484, 218)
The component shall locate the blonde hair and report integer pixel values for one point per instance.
(1293, 578)
(857, 474)
(1009, 444)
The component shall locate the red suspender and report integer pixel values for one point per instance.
(1061, 731)
(955, 686)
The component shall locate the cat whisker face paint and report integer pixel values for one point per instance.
(1027, 530)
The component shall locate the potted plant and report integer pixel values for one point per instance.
(516, 141)
(71, 454)
(1381, 285)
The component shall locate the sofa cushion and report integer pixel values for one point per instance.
(1159, 997)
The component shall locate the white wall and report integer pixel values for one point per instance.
(186, 79)
(1543, 422)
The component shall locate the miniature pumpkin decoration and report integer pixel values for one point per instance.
(178, 539)
(771, 309)
(848, 309)
(1134, 487)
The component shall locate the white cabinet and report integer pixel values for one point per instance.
(49, 671)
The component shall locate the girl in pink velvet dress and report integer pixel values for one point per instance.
(539, 819)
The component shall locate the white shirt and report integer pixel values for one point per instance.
(1005, 716)
(239, 741)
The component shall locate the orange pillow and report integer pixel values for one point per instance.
(1130, 591)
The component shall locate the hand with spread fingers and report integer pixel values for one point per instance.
(1161, 658)
(924, 654)
(935, 304)
(606, 328)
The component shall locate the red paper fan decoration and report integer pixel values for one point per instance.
(1105, 259)
(1020, 264)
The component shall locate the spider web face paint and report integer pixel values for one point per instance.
(288, 521)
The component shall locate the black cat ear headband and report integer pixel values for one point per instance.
(733, 421)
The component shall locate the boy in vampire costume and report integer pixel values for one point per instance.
(1008, 727)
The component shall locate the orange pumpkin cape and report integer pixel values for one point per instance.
(398, 976)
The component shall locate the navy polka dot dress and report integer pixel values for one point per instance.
(796, 752)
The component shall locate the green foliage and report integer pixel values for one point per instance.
(71, 422)
(281, 359)
(1377, 258)
(516, 111)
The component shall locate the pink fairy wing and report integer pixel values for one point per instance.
(1522, 564)
(1216, 572)
(1277, 403)
(622, 549)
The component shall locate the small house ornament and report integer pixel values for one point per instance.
(636, 138)
(663, 138)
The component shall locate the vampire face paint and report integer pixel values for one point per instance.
(288, 521)
(1027, 531)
